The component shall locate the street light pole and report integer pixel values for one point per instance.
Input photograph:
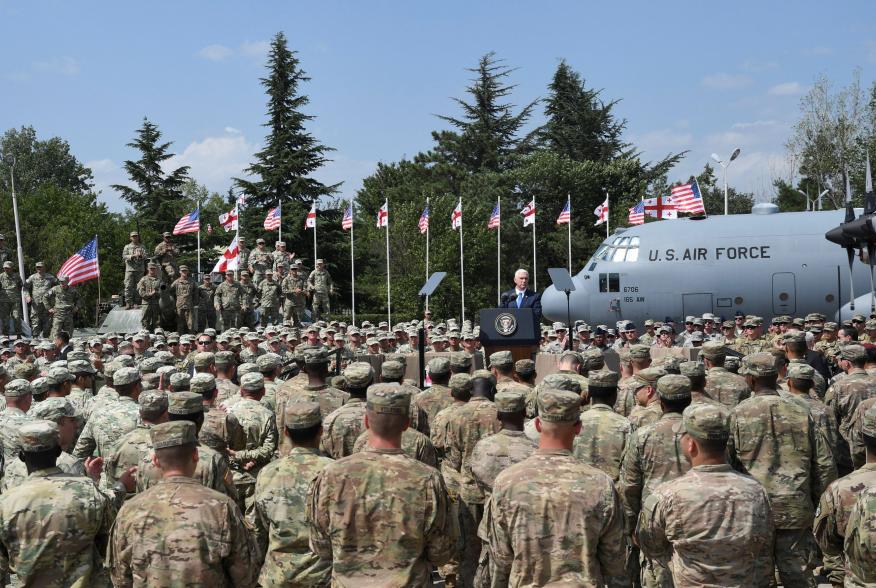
(24, 315)
(718, 160)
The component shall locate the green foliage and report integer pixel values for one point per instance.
(788, 199)
(712, 191)
(41, 163)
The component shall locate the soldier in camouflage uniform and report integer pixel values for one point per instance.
(844, 396)
(373, 530)
(5, 253)
(722, 385)
(752, 340)
(319, 285)
(604, 434)
(343, 426)
(134, 255)
(280, 256)
(104, 428)
(552, 489)
(270, 295)
(149, 289)
(206, 311)
(179, 528)
(653, 457)
(63, 304)
(860, 543)
(776, 442)
(260, 426)
(249, 300)
(10, 301)
(639, 358)
(18, 395)
(730, 542)
(165, 256)
(37, 286)
(281, 501)
(243, 253)
(294, 288)
(184, 289)
(227, 300)
(437, 397)
(53, 526)
(260, 260)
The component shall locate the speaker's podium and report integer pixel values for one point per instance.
(510, 329)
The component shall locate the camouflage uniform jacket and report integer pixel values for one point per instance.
(100, 401)
(15, 472)
(212, 471)
(846, 394)
(134, 449)
(10, 420)
(104, 429)
(642, 416)
(165, 254)
(227, 296)
(603, 439)
(39, 285)
(260, 427)
(205, 297)
(225, 390)
(653, 456)
(342, 427)
(860, 544)
(261, 260)
(178, 530)
(584, 545)
(675, 529)
(135, 257)
(413, 443)
(149, 290)
(496, 453)
(221, 431)
(243, 262)
(832, 516)
(747, 346)
(329, 400)
(63, 300)
(249, 355)
(471, 423)
(856, 441)
(319, 281)
(438, 436)
(434, 400)
(776, 441)
(283, 258)
(10, 289)
(359, 507)
(79, 398)
(53, 528)
(821, 415)
(183, 292)
(249, 296)
(626, 397)
(292, 285)
(280, 523)
(270, 293)
(726, 387)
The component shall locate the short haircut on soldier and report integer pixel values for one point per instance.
(151, 414)
(386, 425)
(461, 394)
(178, 456)
(712, 446)
(40, 460)
(869, 443)
(299, 436)
(796, 346)
(196, 418)
(209, 394)
(675, 405)
(126, 389)
(54, 387)
(801, 384)
(603, 395)
(871, 354)
(697, 382)
(850, 332)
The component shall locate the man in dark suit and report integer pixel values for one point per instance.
(520, 296)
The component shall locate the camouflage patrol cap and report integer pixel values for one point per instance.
(602, 379)
(39, 264)
(388, 399)
(54, 409)
(81, 366)
(224, 359)
(732, 362)
(59, 375)
(483, 375)
(180, 382)
(640, 352)
(392, 370)
(501, 359)
(651, 374)
(153, 401)
(202, 383)
(40, 386)
(706, 421)
(204, 359)
(182, 403)
(753, 321)
(673, 387)
(370, 341)
(25, 371)
(510, 401)
(252, 382)
(302, 415)
(794, 337)
(713, 350)
(460, 383)
(460, 361)
(397, 357)
(800, 371)
(831, 327)
(359, 374)
(150, 365)
(151, 265)
(758, 364)
(173, 434)
(126, 375)
(593, 359)
(869, 422)
(561, 381)
(39, 435)
(692, 369)
(183, 268)
(7, 264)
(166, 371)
(524, 367)
(269, 362)
(439, 366)
(853, 353)
(559, 406)
(316, 357)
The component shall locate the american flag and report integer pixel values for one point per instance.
(383, 215)
(424, 221)
(310, 221)
(456, 216)
(190, 223)
(528, 213)
(687, 198)
(565, 214)
(272, 221)
(494, 218)
(82, 265)
(347, 221)
(637, 214)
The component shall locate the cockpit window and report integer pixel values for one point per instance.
(621, 249)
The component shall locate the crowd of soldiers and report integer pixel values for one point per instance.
(285, 455)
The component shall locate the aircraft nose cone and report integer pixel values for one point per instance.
(553, 303)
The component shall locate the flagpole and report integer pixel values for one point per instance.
(461, 262)
(607, 211)
(499, 253)
(97, 310)
(427, 249)
(280, 226)
(238, 206)
(198, 274)
(569, 227)
(352, 266)
(388, 287)
(534, 259)
(314, 238)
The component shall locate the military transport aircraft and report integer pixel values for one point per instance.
(766, 263)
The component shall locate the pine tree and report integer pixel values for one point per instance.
(283, 168)
(579, 124)
(487, 135)
(157, 194)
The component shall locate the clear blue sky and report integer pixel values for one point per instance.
(691, 75)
